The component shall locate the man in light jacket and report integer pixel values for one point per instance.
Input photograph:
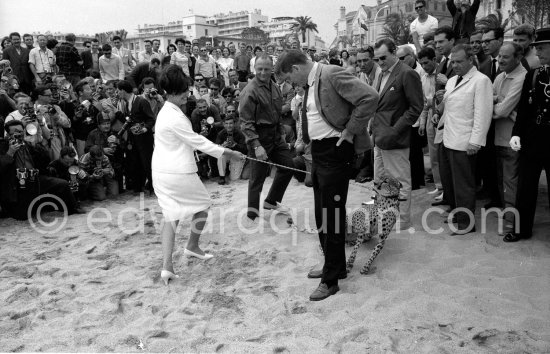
(467, 112)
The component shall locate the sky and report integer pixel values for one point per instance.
(92, 16)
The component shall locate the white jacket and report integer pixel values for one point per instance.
(175, 142)
(468, 110)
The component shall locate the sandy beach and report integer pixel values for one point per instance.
(95, 287)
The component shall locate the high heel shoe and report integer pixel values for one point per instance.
(206, 256)
(167, 275)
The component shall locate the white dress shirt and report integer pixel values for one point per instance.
(317, 127)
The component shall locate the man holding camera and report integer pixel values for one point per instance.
(42, 61)
(56, 120)
(85, 113)
(25, 114)
(100, 173)
(139, 122)
(22, 175)
(150, 93)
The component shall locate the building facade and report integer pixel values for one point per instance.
(233, 23)
(350, 33)
(280, 30)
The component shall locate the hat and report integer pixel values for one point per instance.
(542, 36)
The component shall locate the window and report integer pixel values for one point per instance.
(206, 32)
(188, 27)
(435, 5)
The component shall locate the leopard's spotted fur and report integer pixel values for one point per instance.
(364, 222)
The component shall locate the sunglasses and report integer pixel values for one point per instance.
(419, 7)
(203, 50)
(199, 79)
(403, 57)
(383, 57)
(230, 111)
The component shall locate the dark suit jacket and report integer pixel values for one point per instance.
(140, 72)
(87, 58)
(345, 102)
(449, 72)
(485, 68)
(400, 104)
(142, 113)
(19, 64)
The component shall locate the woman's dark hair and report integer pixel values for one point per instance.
(4, 40)
(171, 46)
(173, 80)
(344, 51)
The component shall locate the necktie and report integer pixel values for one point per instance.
(458, 81)
(493, 69)
(444, 67)
(378, 86)
(305, 133)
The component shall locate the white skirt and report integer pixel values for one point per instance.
(180, 194)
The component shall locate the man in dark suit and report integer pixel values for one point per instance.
(143, 70)
(401, 102)
(19, 61)
(530, 136)
(91, 57)
(336, 110)
(140, 136)
(486, 162)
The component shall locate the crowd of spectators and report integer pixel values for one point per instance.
(96, 110)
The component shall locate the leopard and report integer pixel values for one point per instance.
(374, 219)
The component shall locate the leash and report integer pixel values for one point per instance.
(277, 165)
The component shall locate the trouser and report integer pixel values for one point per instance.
(304, 164)
(433, 149)
(396, 163)
(507, 172)
(100, 189)
(277, 152)
(235, 168)
(457, 170)
(330, 176)
(366, 168)
(416, 158)
(139, 162)
(488, 167)
(532, 160)
(73, 79)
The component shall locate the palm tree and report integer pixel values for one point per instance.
(396, 28)
(302, 25)
(346, 41)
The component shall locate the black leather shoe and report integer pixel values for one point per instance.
(323, 291)
(315, 274)
(513, 237)
(441, 202)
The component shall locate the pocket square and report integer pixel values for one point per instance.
(392, 88)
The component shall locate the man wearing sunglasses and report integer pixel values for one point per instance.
(400, 104)
(464, 16)
(423, 24)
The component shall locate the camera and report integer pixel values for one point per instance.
(127, 124)
(153, 92)
(17, 138)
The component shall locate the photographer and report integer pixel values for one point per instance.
(233, 139)
(56, 120)
(22, 174)
(7, 104)
(85, 111)
(98, 169)
(140, 137)
(25, 114)
(151, 94)
(60, 169)
(42, 62)
(199, 122)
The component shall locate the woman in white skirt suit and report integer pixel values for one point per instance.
(179, 190)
